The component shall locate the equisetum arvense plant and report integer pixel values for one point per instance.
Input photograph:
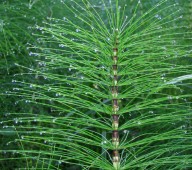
(106, 92)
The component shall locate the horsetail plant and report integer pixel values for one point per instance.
(106, 92)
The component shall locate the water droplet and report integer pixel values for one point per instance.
(173, 42)
(60, 162)
(27, 101)
(158, 16)
(77, 30)
(30, 53)
(125, 131)
(170, 97)
(16, 120)
(8, 143)
(15, 88)
(61, 45)
(54, 120)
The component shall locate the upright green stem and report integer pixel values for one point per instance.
(115, 105)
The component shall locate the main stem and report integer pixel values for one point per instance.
(115, 106)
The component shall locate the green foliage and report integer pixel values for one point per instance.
(67, 90)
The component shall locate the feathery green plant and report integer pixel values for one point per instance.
(116, 89)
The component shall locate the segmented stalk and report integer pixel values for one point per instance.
(115, 106)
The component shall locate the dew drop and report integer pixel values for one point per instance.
(16, 120)
(125, 131)
(77, 30)
(103, 142)
(170, 97)
(54, 120)
(60, 162)
(61, 45)
(27, 101)
(139, 123)
(8, 143)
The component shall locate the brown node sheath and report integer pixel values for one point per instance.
(115, 106)
(115, 50)
(115, 156)
(115, 69)
(115, 78)
(115, 102)
(116, 159)
(114, 91)
(115, 59)
(115, 124)
(115, 138)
